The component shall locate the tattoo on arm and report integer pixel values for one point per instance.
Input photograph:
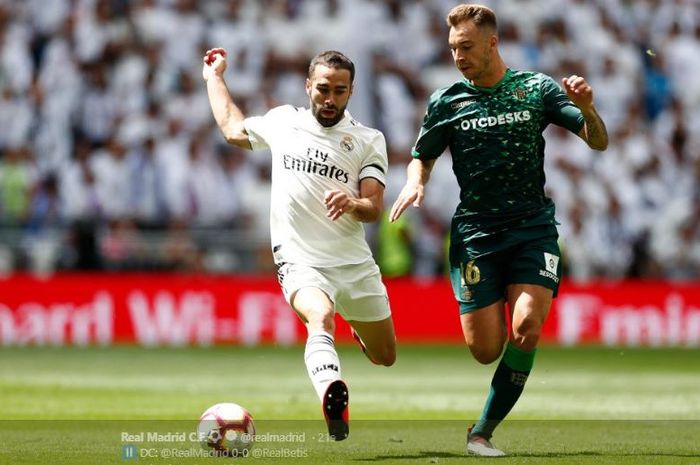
(596, 133)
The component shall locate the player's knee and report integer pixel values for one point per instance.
(321, 321)
(485, 350)
(526, 335)
(485, 355)
(386, 357)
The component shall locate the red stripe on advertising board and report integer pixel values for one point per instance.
(163, 309)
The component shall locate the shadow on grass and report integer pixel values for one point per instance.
(450, 455)
(420, 455)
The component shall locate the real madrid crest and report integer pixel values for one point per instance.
(347, 144)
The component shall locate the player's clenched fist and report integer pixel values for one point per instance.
(214, 63)
(578, 90)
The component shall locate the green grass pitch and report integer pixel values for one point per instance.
(581, 406)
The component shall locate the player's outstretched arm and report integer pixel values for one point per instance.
(228, 116)
(580, 92)
(367, 208)
(418, 172)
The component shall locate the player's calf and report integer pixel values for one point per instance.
(386, 356)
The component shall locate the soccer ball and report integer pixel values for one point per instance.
(227, 428)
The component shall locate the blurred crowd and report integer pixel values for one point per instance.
(110, 158)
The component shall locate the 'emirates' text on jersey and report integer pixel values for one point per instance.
(308, 160)
(495, 138)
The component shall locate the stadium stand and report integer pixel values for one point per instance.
(109, 156)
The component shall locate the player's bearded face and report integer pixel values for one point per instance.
(471, 50)
(329, 91)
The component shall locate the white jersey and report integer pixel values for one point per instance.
(308, 160)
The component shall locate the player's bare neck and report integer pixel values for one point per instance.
(492, 77)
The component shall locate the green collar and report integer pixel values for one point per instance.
(493, 88)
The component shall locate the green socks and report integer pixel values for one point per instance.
(506, 386)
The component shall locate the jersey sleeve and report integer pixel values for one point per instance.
(262, 129)
(558, 108)
(433, 137)
(375, 163)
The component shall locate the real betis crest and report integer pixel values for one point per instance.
(519, 93)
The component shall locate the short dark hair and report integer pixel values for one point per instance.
(479, 14)
(332, 59)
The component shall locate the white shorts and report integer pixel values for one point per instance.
(356, 291)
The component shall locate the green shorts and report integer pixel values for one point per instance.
(482, 281)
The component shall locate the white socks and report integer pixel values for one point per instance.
(322, 361)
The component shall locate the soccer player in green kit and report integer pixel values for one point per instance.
(503, 239)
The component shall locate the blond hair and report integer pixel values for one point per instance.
(481, 15)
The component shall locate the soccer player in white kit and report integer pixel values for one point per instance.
(328, 177)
